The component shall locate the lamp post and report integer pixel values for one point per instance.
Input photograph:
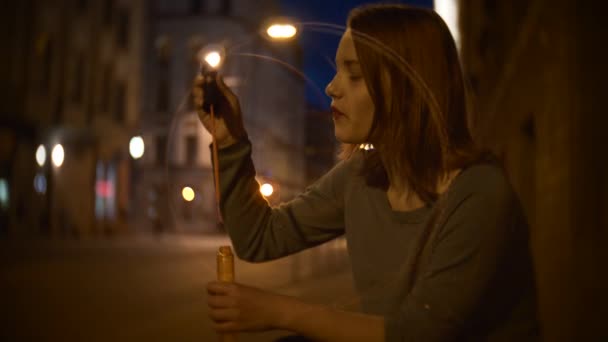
(137, 148)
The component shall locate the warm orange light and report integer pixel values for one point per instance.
(266, 189)
(188, 194)
(213, 59)
(281, 31)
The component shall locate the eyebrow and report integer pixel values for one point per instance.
(349, 63)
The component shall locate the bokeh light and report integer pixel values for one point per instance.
(266, 189)
(40, 183)
(57, 155)
(137, 147)
(188, 194)
(213, 59)
(41, 155)
(281, 31)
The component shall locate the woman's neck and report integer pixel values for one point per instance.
(400, 193)
(403, 200)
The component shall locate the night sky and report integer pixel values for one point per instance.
(320, 47)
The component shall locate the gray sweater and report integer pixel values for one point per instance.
(476, 283)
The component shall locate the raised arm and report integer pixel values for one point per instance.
(260, 232)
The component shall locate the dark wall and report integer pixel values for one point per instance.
(538, 72)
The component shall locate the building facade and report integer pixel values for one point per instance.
(538, 77)
(259, 71)
(75, 84)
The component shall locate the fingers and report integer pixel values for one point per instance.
(198, 95)
(224, 319)
(224, 327)
(198, 80)
(226, 91)
(221, 302)
(223, 315)
(198, 104)
(223, 310)
(220, 288)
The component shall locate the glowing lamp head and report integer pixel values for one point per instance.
(136, 147)
(281, 31)
(57, 155)
(188, 194)
(41, 155)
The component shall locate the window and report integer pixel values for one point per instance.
(78, 79)
(47, 65)
(162, 95)
(161, 150)
(106, 88)
(120, 102)
(191, 149)
(82, 5)
(163, 90)
(122, 29)
(196, 6)
(108, 7)
(226, 7)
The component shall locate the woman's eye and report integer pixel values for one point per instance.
(354, 78)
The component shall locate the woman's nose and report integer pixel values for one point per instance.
(330, 90)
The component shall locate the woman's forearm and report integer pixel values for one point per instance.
(326, 324)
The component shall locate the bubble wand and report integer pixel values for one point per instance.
(211, 94)
(210, 63)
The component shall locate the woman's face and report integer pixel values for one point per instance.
(352, 106)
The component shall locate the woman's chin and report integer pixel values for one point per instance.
(347, 139)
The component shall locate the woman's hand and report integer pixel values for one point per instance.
(228, 119)
(234, 307)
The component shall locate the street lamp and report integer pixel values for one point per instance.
(280, 29)
(188, 194)
(57, 155)
(41, 155)
(137, 147)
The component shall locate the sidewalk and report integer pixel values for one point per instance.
(150, 287)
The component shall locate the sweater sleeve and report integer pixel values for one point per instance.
(260, 232)
(462, 270)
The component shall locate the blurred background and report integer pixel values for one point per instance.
(108, 225)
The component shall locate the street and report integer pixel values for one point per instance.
(144, 288)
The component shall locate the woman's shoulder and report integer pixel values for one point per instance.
(348, 166)
(486, 182)
(483, 198)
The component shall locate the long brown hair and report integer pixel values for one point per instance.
(411, 68)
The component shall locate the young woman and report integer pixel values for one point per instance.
(437, 238)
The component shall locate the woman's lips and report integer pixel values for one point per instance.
(336, 113)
